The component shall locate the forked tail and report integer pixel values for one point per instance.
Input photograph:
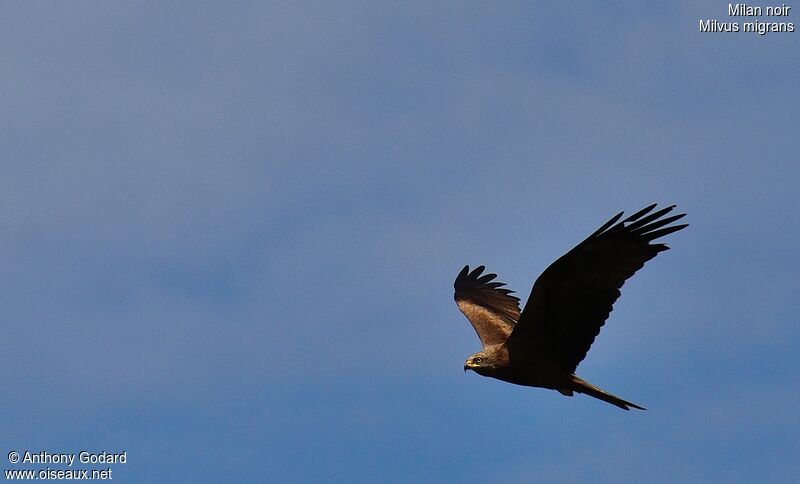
(582, 386)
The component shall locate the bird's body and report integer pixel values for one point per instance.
(542, 345)
(526, 369)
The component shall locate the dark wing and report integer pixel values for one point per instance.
(573, 297)
(490, 308)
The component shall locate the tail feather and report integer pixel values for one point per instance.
(582, 386)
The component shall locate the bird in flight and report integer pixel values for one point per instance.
(569, 303)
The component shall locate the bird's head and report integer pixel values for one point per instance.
(479, 362)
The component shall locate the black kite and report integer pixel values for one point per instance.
(569, 303)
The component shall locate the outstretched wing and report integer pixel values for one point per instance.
(490, 308)
(573, 297)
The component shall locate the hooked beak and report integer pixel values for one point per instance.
(467, 366)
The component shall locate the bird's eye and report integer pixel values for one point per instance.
(476, 359)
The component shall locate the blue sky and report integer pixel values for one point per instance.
(230, 233)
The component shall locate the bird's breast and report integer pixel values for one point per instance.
(532, 373)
